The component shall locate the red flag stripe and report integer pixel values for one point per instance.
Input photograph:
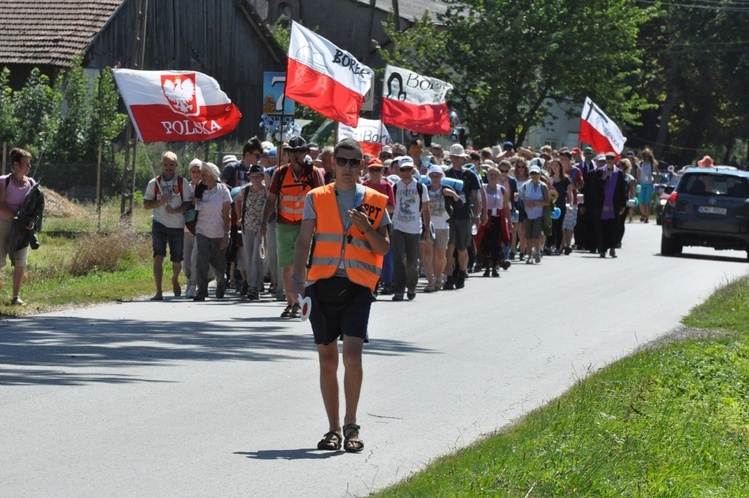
(429, 119)
(158, 123)
(322, 93)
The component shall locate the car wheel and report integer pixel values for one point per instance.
(669, 246)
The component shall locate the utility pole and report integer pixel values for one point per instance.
(131, 148)
(396, 15)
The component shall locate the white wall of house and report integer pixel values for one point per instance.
(564, 131)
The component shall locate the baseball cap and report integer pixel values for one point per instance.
(405, 162)
(272, 152)
(588, 150)
(576, 150)
(435, 169)
(256, 168)
(601, 157)
(534, 169)
(374, 163)
(508, 145)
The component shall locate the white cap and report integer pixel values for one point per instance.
(534, 169)
(435, 169)
(405, 162)
(457, 150)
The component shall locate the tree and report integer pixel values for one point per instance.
(510, 59)
(8, 117)
(75, 121)
(37, 106)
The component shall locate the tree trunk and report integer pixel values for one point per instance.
(668, 108)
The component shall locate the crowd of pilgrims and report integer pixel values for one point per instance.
(453, 212)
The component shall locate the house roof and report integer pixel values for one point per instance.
(50, 31)
(410, 9)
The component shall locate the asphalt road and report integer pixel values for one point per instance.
(221, 398)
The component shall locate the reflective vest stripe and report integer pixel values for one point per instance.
(358, 265)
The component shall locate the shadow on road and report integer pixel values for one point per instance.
(706, 257)
(55, 350)
(299, 454)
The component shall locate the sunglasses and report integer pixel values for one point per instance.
(504, 171)
(351, 163)
(378, 170)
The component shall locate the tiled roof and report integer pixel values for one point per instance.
(50, 31)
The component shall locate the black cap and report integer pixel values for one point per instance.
(256, 168)
(297, 143)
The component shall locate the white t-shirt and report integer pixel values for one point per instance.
(437, 212)
(407, 217)
(169, 189)
(210, 208)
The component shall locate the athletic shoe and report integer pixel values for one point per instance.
(460, 282)
(538, 257)
(198, 298)
(522, 256)
(495, 273)
(411, 295)
(387, 291)
(190, 292)
(558, 252)
(512, 255)
(487, 272)
(238, 286)
(17, 301)
(505, 265)
(429, 288)
(246, 289)
(449, 284)
(529, 261)
(253, 295)
(567, 251)
(220, 289)
(397, 297)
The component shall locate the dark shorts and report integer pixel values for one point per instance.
(460, 233)
(161, 236)
(333, 321)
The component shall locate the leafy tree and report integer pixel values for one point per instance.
(106, 122)
(37, 106)
(8, 118)
(509, 59)
(75, 122)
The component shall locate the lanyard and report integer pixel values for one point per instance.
(347, 224)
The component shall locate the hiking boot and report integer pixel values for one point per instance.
(505, 265)
(486, 272)
(567, 251)
(253, 294)
(495, 273)
(286, 313)
(449, 284)
(220, 289)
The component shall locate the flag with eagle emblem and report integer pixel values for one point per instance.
(176, 106)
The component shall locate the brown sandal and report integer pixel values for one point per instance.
(352, 443)
(331, 441)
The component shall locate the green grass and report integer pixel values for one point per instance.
(669, 421)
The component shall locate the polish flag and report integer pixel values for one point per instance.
(325, 78)
(370, 133)
(599, 131)
(415, 102)
(176, 106)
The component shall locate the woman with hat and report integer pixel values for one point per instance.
(498, 225)
(535, 195)
(647, 168)
(442, 200)
(376, 169)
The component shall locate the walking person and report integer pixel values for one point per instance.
(169, 195)
(212, 230)
(16, 189)
(376, 181)
(189, 252)
(249, 207)
(410, 225)
(497, 230)
(647, 169)
(564, 201)
(442, 202)
(535, 195)
(609, 191)
(349, 225)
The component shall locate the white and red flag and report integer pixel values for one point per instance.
(176, 106)
(325, 78)
(370, 133)
(415, 102)
(599, 130)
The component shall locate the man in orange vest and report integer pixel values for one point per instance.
(288, 186)
(349, 222)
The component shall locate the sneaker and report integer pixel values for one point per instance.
(253, 295)
(17, 301)
(246, 289)
(567, 251)
(238, 286)
(537, 259)
(280, 296)
(190, 291)
(529, 261)
(547, 251)
(198, 298)
(387, 290)
(287, 311)
(220, 289)
(438, 285)
(512, 255)
(505, 265)
(522, 257)
(487, 272)
(397, 297)
(558, 252)
(296, 311)
(429, 288)
(495, 273)
(449, 284)
(411, 295)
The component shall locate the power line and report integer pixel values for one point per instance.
(716, 7)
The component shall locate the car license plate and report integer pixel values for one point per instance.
(712, 210)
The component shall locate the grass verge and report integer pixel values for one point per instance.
(669, 421)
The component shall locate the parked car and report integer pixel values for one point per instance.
(708, 207)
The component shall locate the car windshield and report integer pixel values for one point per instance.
(715, 185)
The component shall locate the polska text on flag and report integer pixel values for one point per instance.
(176, 106)
(599, 130)
(370, 133)
(415, 102)
(325, 78)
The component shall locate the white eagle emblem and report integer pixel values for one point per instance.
(180, 92)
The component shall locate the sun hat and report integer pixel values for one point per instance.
(297, 144)
(705, 162)
(229, 158)
(457, 150)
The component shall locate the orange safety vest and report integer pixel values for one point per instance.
(291, 193)
(334, 248)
